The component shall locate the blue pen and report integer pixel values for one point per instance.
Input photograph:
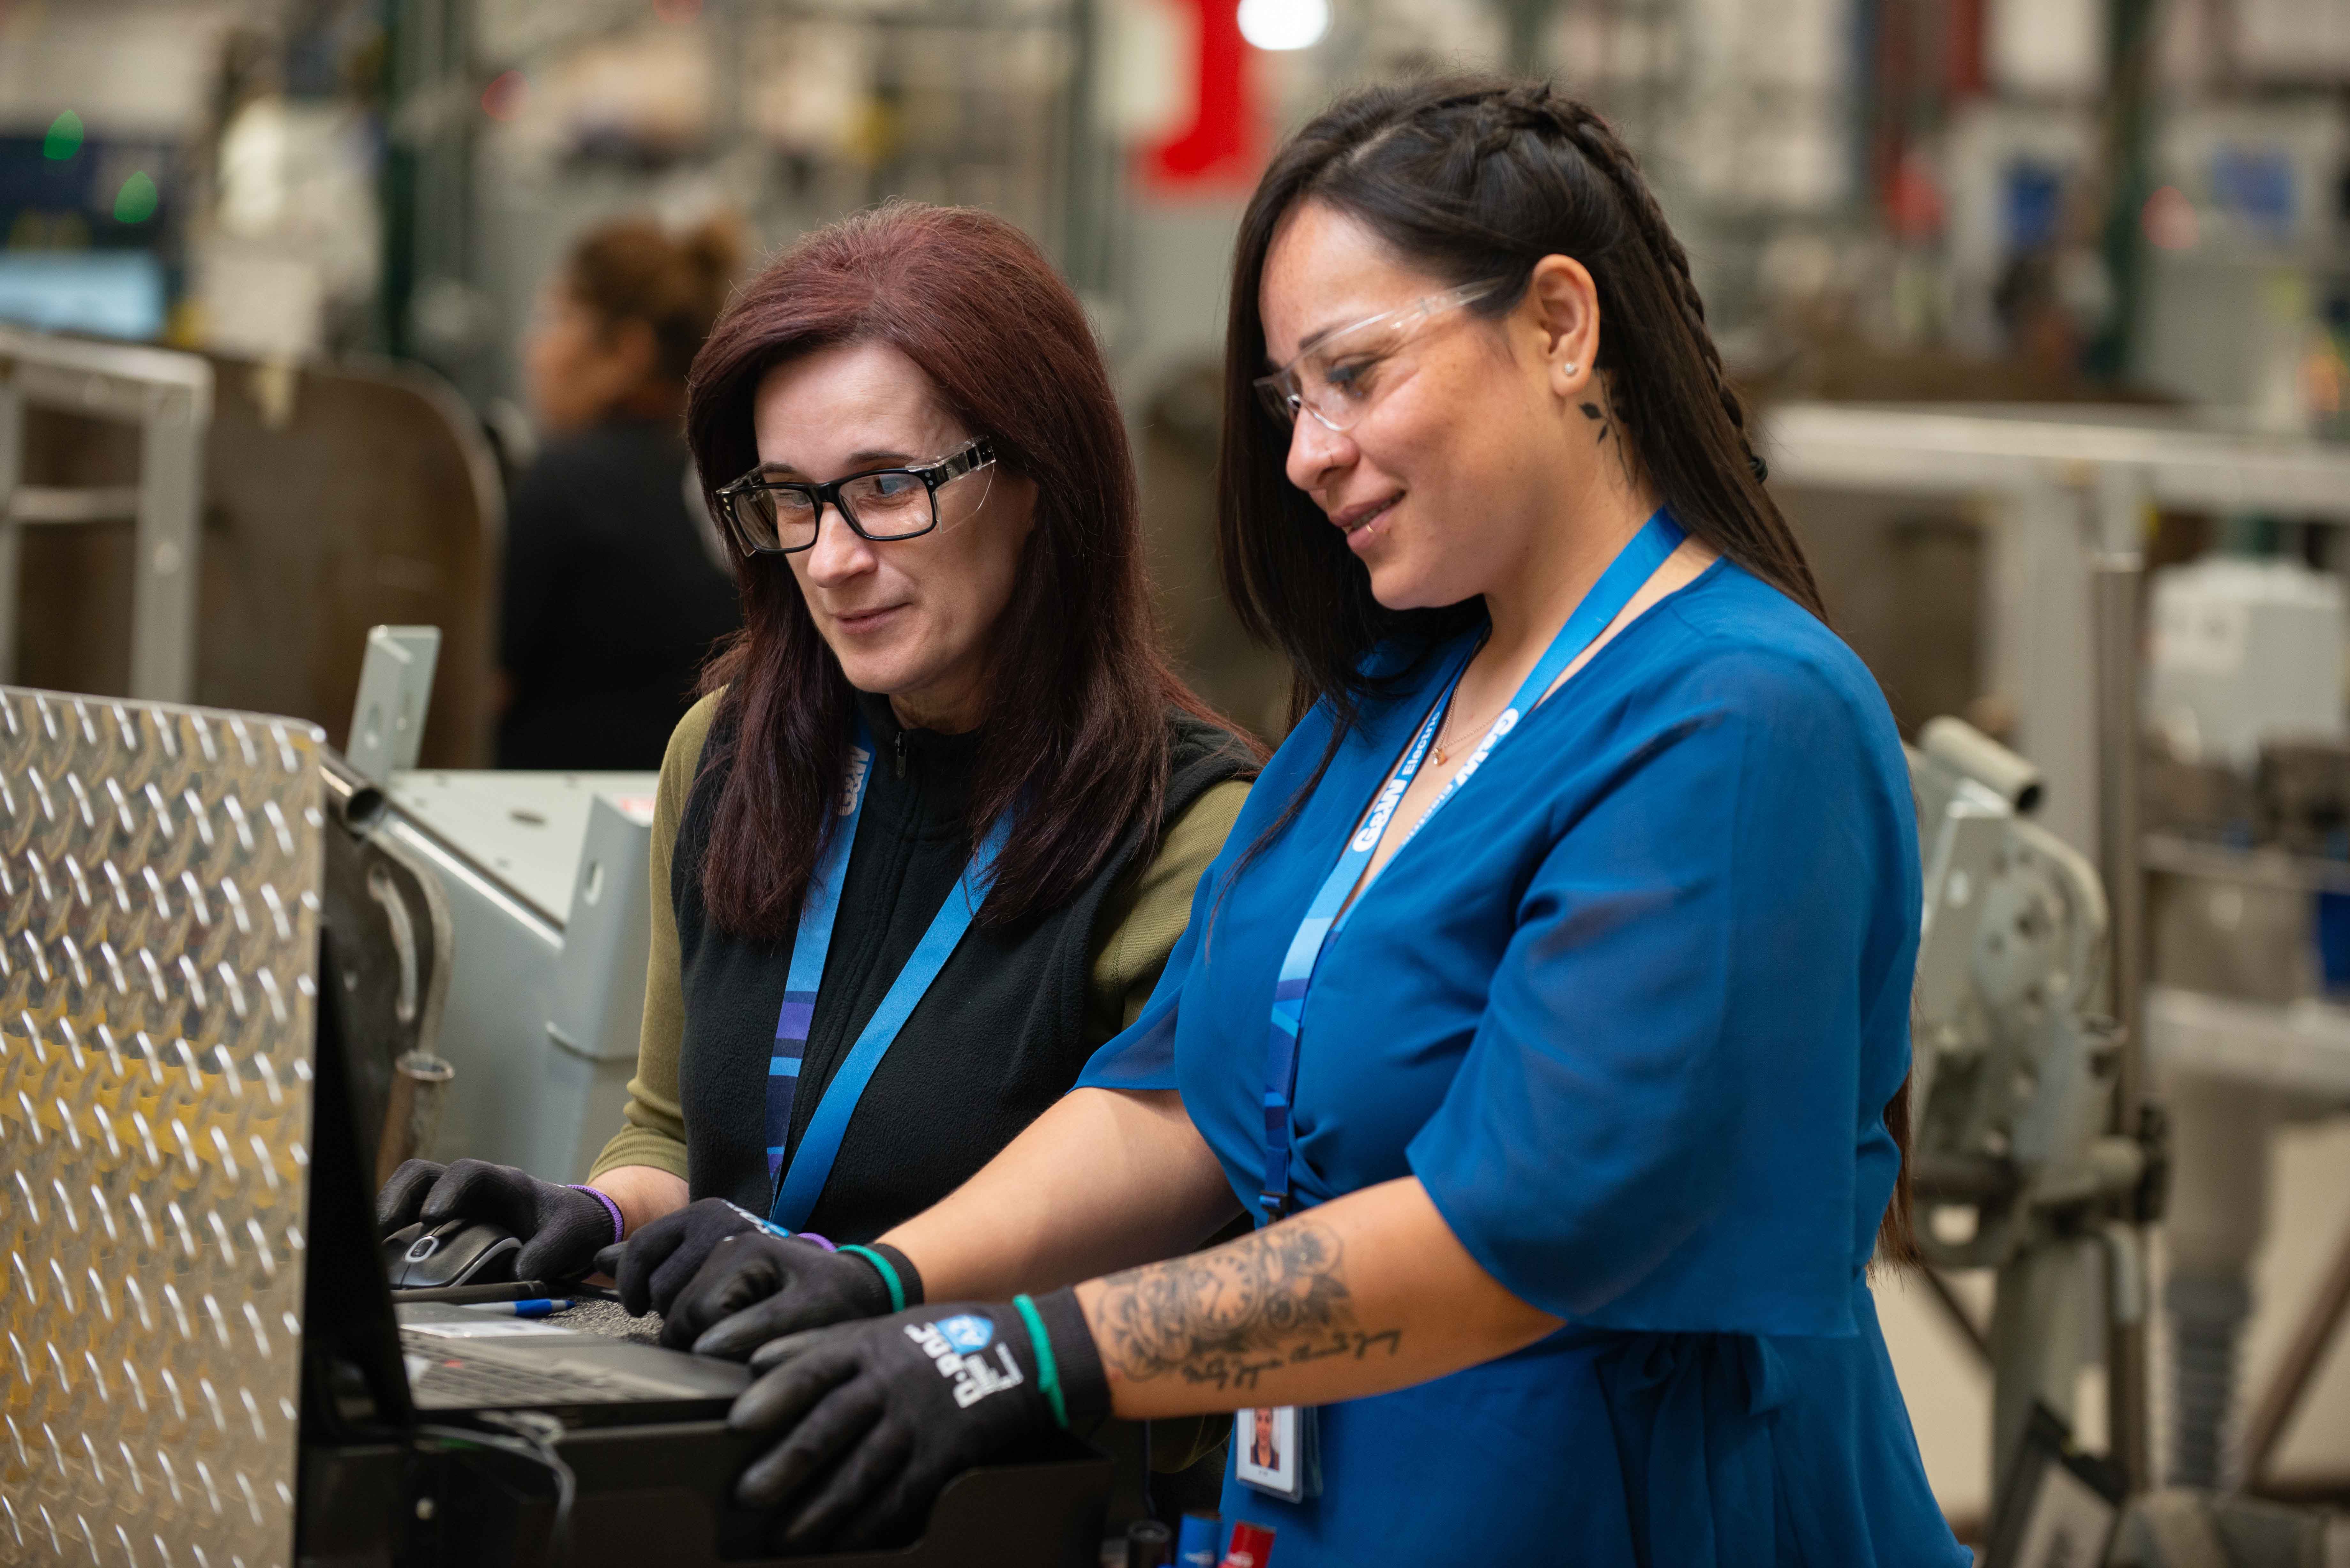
(537, 1307)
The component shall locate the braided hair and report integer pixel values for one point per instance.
(1470, 179)
(1532, 108)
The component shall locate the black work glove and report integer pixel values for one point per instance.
(757, 1286)
(655, 1263)
(875, 1419)
(560, 1228)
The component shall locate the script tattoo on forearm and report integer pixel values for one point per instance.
(1275, 1299)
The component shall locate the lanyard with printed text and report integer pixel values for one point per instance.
(1632, 568)
(799, 1188)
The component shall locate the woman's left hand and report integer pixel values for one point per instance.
(888, 1411)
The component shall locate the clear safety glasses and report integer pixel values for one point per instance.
(780, 517)
(1339, 377)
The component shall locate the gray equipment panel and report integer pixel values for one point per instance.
(545, 877)
(159, 868)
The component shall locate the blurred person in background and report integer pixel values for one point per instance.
(614, 592)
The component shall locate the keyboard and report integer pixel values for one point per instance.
(480, 1377)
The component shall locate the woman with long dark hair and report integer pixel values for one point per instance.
(1548, 1007)
(928, 839)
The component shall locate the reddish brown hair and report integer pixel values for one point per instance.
(1076, 734)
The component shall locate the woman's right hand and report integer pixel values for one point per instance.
(750, 1284)
(560, 1228)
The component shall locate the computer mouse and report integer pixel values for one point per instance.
(453, 1253)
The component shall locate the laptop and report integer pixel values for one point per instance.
(646, 1462)
(463, 1358)
(645, 1449)
(433, 1361)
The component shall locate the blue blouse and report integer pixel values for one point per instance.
(1631, 1009)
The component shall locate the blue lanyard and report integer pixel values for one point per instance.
(803, 1184)
(1632, 568)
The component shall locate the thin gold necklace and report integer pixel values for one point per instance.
(1444, 742)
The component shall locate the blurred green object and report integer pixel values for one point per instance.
(64, 137)
(137, 201)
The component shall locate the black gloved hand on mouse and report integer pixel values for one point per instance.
(874, 1418)
(727, 1281)
(560, 1228)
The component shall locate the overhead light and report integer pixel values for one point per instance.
(1284, 24)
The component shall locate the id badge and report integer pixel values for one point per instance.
(1277, 1450)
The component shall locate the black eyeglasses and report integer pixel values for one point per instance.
(780, 517)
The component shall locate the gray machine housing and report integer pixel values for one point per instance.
(2012, 1083)
(542, 879)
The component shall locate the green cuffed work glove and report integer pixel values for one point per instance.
(872, 1419)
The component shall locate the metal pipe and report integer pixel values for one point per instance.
(2116, 569)
(163, 581)
(2035, 1345)
(1956, 1312)
(1524, 22)
(1963, 1177)
(45, 503)
(420, 1086)
(2011, 777)
(355, 800)
(2298, 1371)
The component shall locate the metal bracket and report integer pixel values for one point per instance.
(610, 924)
(395, 691)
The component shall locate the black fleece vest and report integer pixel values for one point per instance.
(998, 1037)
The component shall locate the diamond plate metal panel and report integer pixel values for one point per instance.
(159, 868)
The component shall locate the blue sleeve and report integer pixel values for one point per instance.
(1656, 1125)
(1142, 1054)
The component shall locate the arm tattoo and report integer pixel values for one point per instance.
(1275, 1299)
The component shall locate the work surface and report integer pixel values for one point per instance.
(610, 1320)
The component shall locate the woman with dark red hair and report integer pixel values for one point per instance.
(927, 840)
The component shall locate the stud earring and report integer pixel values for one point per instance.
(1569, 369)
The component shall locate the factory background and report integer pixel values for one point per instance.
(1984, 267)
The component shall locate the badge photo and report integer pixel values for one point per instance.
(1268, 1453)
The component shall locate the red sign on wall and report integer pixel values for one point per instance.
(1220, 147)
